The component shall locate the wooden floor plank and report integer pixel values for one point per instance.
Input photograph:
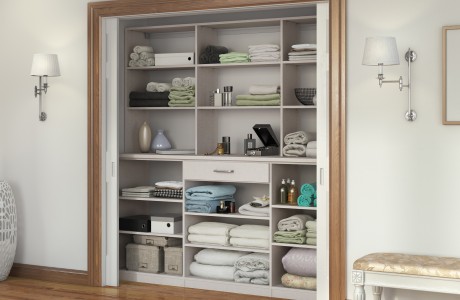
(24, 289)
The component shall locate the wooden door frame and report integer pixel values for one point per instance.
(337, 155)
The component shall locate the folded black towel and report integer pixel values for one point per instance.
(210, 55)
(149, 95)
(148, 103)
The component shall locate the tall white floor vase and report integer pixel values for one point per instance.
(8, 229)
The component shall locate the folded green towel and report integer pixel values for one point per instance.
(311, 226)
(183, 89)
(175, 104)
(311, 241)
(233, 60)
(259, 97)
(291, 237)
(233, 55)
(311, 235)
(183, 97)
(257, 103)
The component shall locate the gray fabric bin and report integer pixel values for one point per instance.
(144, 258)
(173, 260)
(159, 241)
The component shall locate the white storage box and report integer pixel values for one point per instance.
(166, 223)
(165, 59)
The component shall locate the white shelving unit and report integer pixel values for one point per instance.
(202, 126)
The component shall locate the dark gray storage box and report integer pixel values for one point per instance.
(144, 258)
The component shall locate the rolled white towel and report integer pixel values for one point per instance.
(294, 150)
(163, 87)
(151, 87)
(133, 63)
(264, 89)
(188, 81)
(310, 153)
(142, 63)
(311, 145)
(139, 49)
(299, 137)
(134, 56)
(177, 82)
(145, 55)
(150, 61)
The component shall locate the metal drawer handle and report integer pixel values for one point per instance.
(224, 171)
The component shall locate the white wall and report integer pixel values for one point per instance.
(46, 161)
(403, 178)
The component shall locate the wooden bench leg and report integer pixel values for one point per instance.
(357, 278)
(377, 291)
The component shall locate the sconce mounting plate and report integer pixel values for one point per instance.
(412, 55)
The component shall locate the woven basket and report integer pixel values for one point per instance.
(305, 95)
(8, 229)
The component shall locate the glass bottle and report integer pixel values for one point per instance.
(293, 193)
(283, 192)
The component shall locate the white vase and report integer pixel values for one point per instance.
(160, 141)
(8, 229)
(145, 137)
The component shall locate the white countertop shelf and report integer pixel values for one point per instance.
(294, 245)
(177, 235)
(229, 215)
(287, 206)
(209, 246)
(170, 200)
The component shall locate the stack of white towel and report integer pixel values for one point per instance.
(297, 143)
(213, 233)
(253, 268)
(264, 53)
(302, 52)
(142, 56)
(158, 87)
(250, 236)
(216, 264)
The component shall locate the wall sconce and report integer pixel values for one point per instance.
(382, 51)
(44, 66)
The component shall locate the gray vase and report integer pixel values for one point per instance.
(8, 229)
(160, 141)
(145, 137)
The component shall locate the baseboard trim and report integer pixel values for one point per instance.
(50, 274)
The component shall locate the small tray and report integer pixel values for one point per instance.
(176, 151)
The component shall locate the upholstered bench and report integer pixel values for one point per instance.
(405, 271)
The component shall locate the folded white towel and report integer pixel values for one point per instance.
(303, 46)
(303, 57)
(253, 261)
(248, 210)
(310, 153)
(212, 272)
(177, 82)
(301, 53)
(265, 59)
(139, 189)
(254, 277)
(170, 184)
(221, 240)
(139, 49)
(251, 232)
(311, 145)
(211, 228)
(217, 257)
(249, 242)
(134, 56)
(299, 137)
(263, 89)
(145, 55)
(265, 55)
(294, 150)
(263, 47)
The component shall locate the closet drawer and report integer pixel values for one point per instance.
(226, 171)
